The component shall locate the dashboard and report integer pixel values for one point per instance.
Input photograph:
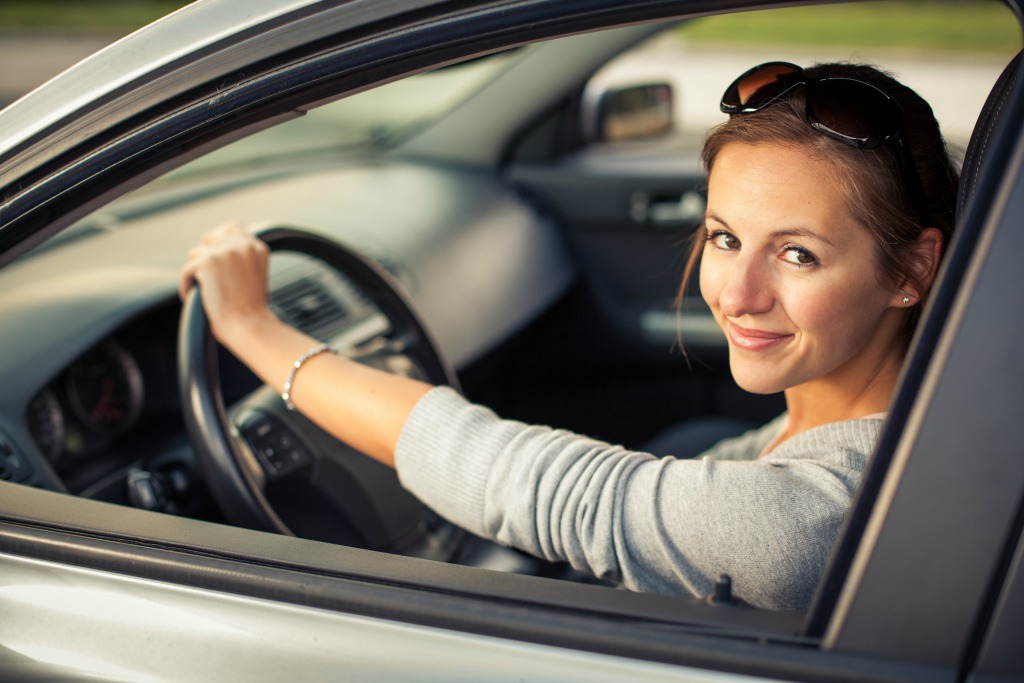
(92, 398)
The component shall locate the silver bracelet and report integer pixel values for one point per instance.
(286, 393)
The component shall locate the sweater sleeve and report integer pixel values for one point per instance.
(657, 525)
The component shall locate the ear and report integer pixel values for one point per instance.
(925, 256)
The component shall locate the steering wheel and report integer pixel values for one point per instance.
(272, 469)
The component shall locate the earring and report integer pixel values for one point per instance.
(906, 299)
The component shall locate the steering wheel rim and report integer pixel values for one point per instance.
(228, 471)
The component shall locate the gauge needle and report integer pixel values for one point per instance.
(103, 407)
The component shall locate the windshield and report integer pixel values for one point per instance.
(372, 119)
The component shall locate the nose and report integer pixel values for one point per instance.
(747, 288)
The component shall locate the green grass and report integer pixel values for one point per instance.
(84, 15)
(972, 25)
(959, 25)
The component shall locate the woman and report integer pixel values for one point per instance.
(830, 199)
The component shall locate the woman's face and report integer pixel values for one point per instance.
(789, 275)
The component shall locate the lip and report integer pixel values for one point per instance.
(755, 340)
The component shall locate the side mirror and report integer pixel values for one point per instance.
(635, 112)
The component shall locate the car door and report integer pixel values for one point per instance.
(925, 584)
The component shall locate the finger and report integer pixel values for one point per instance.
(187, 280)
(189, 276)
(195, 254)
(185, 287)
(231, 229)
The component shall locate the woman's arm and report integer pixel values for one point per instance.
(657, 525)
(364, 407)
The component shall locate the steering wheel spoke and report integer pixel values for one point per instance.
(277, 450)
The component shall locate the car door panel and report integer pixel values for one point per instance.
(630, 222)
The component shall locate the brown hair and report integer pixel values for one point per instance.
(870, 179)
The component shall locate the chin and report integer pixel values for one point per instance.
(755, 381)
(764, 388)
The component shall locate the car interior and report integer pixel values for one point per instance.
(536, 251)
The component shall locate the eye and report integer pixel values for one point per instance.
(723, 240)
(799, 256)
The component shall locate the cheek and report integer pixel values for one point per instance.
(837, 313)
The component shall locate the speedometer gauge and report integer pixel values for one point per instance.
(46, 423)
(105, 389)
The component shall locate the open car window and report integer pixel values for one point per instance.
(701, 57)
(538, 259)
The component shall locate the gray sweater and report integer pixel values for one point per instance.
(661, 525)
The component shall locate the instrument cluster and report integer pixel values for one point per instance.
(115, 403)
(96, 399)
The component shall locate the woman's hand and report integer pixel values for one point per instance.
(230, 267)
(363, 406)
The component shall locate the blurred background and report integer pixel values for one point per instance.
(972, 38)
(41, 38)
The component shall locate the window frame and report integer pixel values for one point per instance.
(162, 130)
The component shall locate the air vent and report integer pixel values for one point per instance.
(307, 305)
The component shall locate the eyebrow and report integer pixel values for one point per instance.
(802, 232)
(785, 232)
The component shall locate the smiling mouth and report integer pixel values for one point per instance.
(755, 340)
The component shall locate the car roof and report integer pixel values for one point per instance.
(143, 52)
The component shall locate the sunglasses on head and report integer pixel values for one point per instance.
(845, 109)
